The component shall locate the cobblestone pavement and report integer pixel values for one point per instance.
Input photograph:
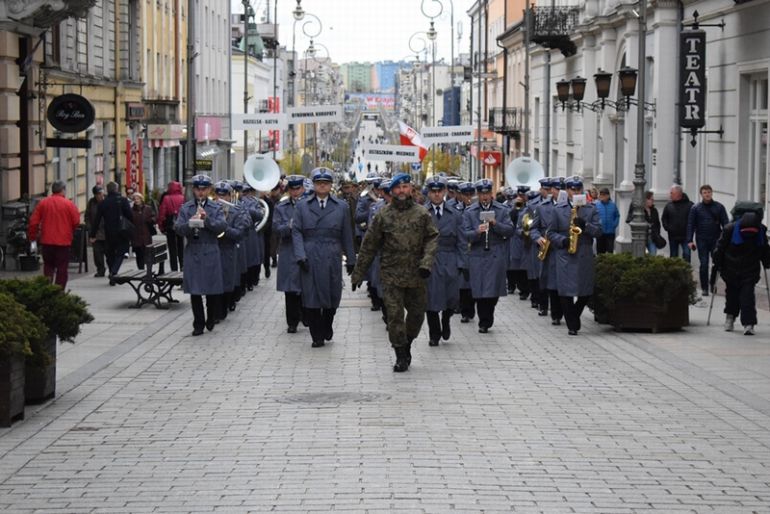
(250, 419)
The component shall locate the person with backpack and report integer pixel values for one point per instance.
(169, 209)
(704, 226)
(739, 252)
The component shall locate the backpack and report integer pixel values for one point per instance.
(743, 206)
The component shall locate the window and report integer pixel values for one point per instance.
(758, 148)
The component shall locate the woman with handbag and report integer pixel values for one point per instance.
(144, 228)
(655, 241)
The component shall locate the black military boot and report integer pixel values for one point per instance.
(401, 365)
(409, 354)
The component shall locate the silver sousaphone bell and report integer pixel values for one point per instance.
(263, 174)
(524, 171)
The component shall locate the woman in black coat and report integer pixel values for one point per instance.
(653, 223)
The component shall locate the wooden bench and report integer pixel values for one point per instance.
(152, 287)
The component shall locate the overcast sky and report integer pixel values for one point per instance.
(369, 30)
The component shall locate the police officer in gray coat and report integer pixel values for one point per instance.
(255, 242)
(229, 242)
(488, 255)
(200, 221)
(450, 263)
(464, 197)
(544, 226)
(321, 234)
(288, 279)
(574, 271)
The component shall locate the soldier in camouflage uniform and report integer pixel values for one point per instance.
(405, 235)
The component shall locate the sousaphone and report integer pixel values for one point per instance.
(524, 171)
(263, 174)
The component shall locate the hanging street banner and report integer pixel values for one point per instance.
(315, 114)
(260, 121)
(692, 70)
(456, 134)
(392, 153)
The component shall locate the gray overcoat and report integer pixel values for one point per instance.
(575, 272)
(460, 208)
(321, 236)
(254, 240)
(288, 279)
(543, 228)
(362, 214)
(444, 282)
(487, 268)
(521, 246)
(202, 262)
(229, 247)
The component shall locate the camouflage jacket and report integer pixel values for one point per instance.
(407, 240)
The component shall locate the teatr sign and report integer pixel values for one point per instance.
(692, 88)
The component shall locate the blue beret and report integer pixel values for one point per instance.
(294, 181)
(201, 181)
(322, 174)
(223, 188)
(401, 178)
(522, 190)
(483, 186)
(467, 187)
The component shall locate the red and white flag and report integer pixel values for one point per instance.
(409, 136)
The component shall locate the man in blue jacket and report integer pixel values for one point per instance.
(610, 218)
(704, 226)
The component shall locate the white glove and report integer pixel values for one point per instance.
(33, 247)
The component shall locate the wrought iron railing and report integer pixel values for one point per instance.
(552, 26)
(505, 120)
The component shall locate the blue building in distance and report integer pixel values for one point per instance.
(386, 72)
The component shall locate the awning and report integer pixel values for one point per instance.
(163, 143)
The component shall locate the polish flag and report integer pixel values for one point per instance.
(409, 136)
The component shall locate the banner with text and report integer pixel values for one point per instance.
(392, 153)
(315, 114)
(456, 134)
(260, 121)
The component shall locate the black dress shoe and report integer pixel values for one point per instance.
(572, 332)
(555, 322)
(374, 308)
(483, 330)
(231, 308)
(329, 335)
(535, 306)
(542, 312)
(249, 288)
(99, 274)
(267, 271)
(274, 264)
(433, 342)
(197, 332)
(317, 344)
(210, 324)
(465, 319)
(446, 331)
(292, 329)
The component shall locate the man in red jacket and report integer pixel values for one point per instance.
(55, 219)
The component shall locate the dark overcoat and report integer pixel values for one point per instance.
(202, 260)
(288, 279)
(487, 267)
(229, 243)
(322, 236)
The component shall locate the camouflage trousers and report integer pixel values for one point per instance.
(395, 299)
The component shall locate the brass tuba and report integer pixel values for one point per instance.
(262, 174)
(574, 232)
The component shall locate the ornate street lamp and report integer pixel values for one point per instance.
(298, 11)
(578, 88)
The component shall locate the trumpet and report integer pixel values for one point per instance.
(574, 232)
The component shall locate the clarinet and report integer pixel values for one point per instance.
(196, 230)
(486, 238)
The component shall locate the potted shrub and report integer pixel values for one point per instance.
(19, 329)
(643, 293)
(62, 313)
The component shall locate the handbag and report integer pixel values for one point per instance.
(660, 243)
(125, 228)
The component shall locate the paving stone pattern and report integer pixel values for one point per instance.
(525, 419)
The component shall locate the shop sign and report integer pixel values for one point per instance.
(204, 164)
(70, 113)
(135, 111)
(172, 131)
(692, 70)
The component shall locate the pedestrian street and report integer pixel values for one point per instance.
(248, 418)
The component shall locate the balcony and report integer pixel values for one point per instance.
(552, 26)
(505, 121)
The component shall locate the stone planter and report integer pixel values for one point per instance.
(40, 383)
(656, 317)
(11, 390)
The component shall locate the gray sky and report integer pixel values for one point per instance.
(369, 30)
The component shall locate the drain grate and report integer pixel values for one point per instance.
(333, 398)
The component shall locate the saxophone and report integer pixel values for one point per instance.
(574, 232)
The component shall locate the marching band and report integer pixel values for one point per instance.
(539, 243)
